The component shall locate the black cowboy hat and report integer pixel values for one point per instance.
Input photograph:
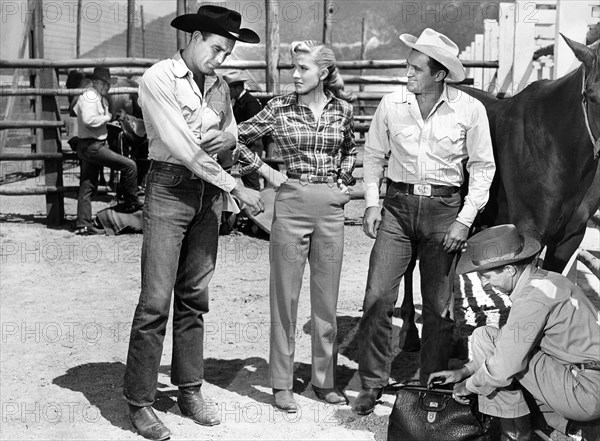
(216, 20)
(102, 74)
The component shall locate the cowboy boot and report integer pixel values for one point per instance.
(515, 429)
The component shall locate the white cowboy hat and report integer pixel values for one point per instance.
(440, 48)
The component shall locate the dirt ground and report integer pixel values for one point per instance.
(66, 307)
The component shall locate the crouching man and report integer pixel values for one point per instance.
(549, 346)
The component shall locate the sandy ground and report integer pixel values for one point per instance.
(66, 307)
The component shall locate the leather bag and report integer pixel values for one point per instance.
(423, 414)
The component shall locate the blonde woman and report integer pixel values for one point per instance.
(313, 128)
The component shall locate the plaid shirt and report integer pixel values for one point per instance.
(306, 146)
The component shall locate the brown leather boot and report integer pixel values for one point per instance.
(366, 400)
(192, 405)
(515, 429)
(147, 423)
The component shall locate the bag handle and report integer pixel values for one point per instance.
(416, 384)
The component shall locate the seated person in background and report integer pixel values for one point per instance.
(549, 346)
(245, 106)
(92, 115)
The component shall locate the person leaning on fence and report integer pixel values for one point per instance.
(312, 127)
(92, 113)
(549, 346)
(188, 118)
(430, 133)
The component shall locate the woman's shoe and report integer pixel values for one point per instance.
(284, 400)
(330, 396)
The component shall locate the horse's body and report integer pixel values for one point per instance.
(547, 180)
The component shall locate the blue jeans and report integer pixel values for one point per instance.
(410, 224)
(94, 155)
(179, 250)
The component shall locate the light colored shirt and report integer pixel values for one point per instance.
(549, 314)
(431, 151)
(177, 114)
(92, 115)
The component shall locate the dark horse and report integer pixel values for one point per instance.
(547, 182)
(546, 146)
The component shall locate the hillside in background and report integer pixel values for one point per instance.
(384, 20)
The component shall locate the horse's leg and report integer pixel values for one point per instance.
(557, 256)
(409, 334)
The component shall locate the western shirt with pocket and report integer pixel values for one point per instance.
(177, 114)
(431, 151)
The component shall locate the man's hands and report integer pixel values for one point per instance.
(455, 238)
(458, 377)
(371, 221)
(249, 197)
(274, 177)
(214, 141)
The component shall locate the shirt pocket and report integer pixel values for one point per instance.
(189, 105)
(406, 137)
(448, 140)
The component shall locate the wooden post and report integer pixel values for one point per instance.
(142, 23)
(329, 9)
(490, 53)
(48, 139)
(572, 19)
(478, 75)
(506, 47)
(181, 36)
(78, 32)
(363, 50)
(10, 102)
(130, 27)
(272, 46)
(524, 45)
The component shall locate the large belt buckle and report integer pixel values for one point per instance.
(422, 189)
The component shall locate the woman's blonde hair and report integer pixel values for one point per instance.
(325, 59)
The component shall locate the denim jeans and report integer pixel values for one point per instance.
(410, 224)
(179, 250)
(94, 155)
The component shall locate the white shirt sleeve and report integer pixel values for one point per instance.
(481, 165)
(161, 109)
(376, 147)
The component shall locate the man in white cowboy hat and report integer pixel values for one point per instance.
(549, 346)
(245, 106)
(188, 118)
(429, 132)
(93, 115)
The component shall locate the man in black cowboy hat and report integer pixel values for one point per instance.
(188, 117)
(549, 346)
(92, 113)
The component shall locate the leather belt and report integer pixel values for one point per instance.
(313, 179)
(425, 189)
(176, 169)
(590, 366)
